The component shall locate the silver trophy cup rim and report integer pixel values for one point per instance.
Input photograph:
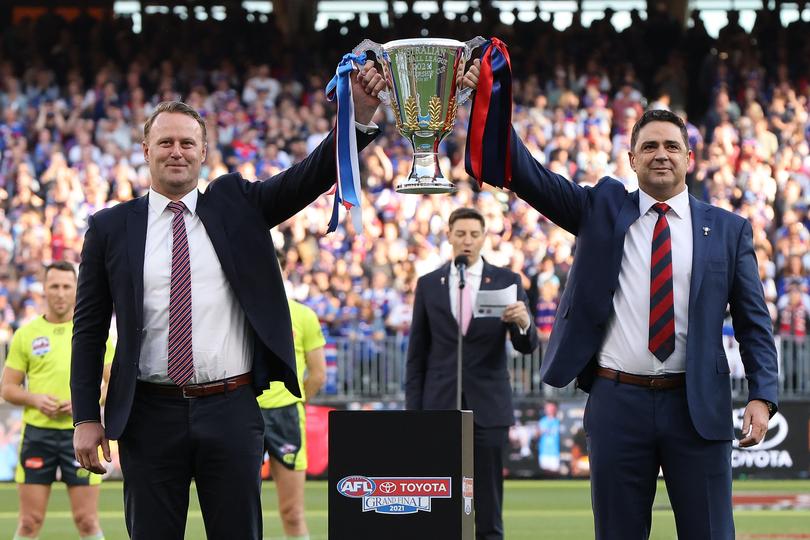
(411, 42)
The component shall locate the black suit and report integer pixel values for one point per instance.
(237, 216)
(431, 377)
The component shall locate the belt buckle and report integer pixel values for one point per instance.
(184, 389)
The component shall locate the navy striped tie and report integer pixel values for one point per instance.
(181, 360)
(662, 310)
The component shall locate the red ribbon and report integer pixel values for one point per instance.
(489, 133)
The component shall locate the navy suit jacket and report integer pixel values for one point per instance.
(237, 216)
(724, 273)
(432, 355)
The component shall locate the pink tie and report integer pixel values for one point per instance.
(181, 361)
(466, 308)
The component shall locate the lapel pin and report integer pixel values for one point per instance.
(442, 280)
(487, 279)
(706, 231)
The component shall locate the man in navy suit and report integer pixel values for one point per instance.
(640, 326)
(203, 326)
(432, 358)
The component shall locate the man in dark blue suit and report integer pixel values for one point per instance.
(203, 326)
(432, 358)
(640, 327)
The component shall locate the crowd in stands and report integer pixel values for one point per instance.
(74, 96)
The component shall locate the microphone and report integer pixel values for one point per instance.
(461, 263)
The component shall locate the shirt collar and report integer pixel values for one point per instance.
(474, 270)
(158, 202)
(679, 203)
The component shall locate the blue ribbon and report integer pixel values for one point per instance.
(348, 184)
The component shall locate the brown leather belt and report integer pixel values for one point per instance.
(196, 390)
(655, 382)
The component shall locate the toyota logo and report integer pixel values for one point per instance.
(777, 431)
(388, 487)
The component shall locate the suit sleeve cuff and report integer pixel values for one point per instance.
(772, 408)
(524, 331)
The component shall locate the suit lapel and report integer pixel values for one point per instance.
(487, 277)
(628, 214)
(444, 295)
(137, 219)
(216, 232)
(702, 219)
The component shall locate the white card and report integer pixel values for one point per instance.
(491, 303)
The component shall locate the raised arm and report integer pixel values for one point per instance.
(285, 194)
(557, 198)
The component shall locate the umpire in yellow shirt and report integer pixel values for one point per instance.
(40, 352)
(285, 437)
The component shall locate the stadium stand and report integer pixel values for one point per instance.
(74, 96)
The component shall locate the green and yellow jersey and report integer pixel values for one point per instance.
(307, 336)
(41, 350)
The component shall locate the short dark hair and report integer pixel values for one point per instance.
(174, 107)
(64, 266)
(658, 115)
(466, 213)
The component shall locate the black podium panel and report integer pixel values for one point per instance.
(401, 475)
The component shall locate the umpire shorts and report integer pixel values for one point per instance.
(285, 435)
(43, 451)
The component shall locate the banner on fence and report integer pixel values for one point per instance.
(547, 441)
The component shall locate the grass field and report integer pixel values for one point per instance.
(534, 510)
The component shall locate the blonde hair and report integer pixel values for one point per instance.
(174, 107)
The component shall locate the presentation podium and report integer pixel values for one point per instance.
(401, 475)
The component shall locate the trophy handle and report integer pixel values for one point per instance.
(465, 93)
(368, 45)
(379, 53)
(477, 41)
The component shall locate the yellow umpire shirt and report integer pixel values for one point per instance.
(307, 336)
(41, 350)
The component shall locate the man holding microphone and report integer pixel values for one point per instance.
(431, 383)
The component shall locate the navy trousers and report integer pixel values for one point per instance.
(488, 448)
(216, 440)
(632, 432)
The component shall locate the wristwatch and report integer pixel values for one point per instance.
(771, 408)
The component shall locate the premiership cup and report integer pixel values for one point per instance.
(424, 91)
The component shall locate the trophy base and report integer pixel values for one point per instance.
(425, 186)
(426, 177)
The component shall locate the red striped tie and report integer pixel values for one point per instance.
(662, 310)
(181, 360)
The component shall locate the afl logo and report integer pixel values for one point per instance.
(41, 346)
(356, 486)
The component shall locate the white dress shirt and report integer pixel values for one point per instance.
(472, 280)
(626, 342)
(222, 343)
